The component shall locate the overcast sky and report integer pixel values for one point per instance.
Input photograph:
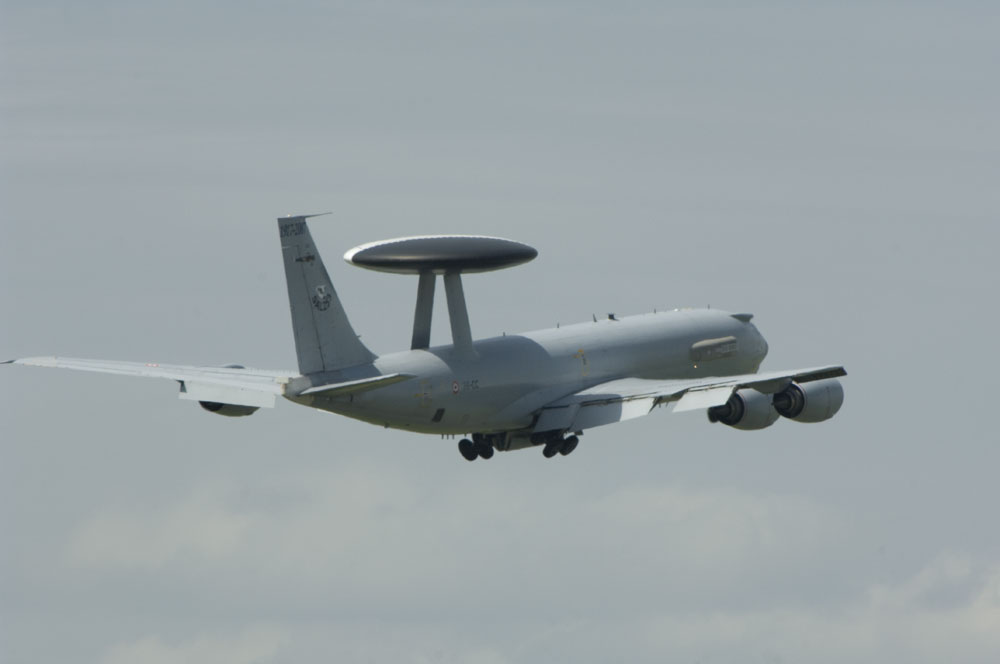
(833, 168)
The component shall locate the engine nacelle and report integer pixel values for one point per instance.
(746, 409)
(228, 409)
(815, 401)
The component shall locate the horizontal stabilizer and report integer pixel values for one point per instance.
(354, 386)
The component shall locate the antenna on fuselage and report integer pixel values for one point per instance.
(448, 255)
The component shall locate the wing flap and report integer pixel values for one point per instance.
(704, 398)
(559, 418)
(608, 412)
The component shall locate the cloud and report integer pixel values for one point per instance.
(256, 644)
(887, 623)
(201, 527)
(364, 563)
(376, 539)
(725, 530)
(892, 623)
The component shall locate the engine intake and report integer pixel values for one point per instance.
(227, 409)
(815, 401)
(746, 409)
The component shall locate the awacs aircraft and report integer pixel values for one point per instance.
(541, 388)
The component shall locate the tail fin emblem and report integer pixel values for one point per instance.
(321, 300)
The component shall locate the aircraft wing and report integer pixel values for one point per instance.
(628, 398)
(231, 385)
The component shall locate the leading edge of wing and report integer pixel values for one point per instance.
(156, 370)
(237, 379)
(236, 385)
(667, 390)
(627, 398)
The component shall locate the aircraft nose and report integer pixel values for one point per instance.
(757, 342)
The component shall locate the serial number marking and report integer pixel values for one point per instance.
(295, 228)
(470, 384)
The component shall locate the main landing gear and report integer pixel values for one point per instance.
(482, 445)
(473, 449)
(563, 447)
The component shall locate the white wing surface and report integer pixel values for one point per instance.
(628, 398)
(231, 385)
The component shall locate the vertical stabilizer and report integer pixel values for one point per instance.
(324, 338)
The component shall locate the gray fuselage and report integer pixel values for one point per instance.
(502, 382)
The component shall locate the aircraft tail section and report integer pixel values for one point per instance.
(324, 338)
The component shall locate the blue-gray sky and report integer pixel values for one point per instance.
(831, 167)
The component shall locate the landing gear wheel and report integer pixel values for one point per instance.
(484, 449)
(551, 449)
(467, 449)
(569, 445)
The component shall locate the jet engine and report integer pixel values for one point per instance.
(810, 402)
(746, 409)
(227, 409)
